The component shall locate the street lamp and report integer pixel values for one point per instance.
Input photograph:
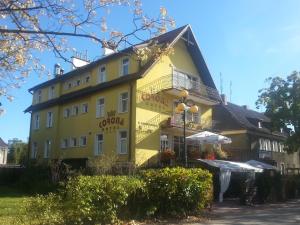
(182, 107)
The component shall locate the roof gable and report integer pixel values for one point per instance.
(170, 37)
(3, 144)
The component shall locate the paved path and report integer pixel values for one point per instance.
(268, 214)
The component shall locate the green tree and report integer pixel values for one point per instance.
(282, 103)
(31, 27)
(18, 153)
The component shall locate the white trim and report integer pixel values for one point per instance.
(121, 66)
(49, 120)
(96, 150)
(120, 102)
(98, 111)
(99, 74)
(82, 107)
(119, 141)
(80, 141)
(47, 149)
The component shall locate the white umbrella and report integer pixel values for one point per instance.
(261, 165)
(210, 138)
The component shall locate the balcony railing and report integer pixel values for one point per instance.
(181, 80)
(176, 121)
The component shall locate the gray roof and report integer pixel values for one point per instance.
(243, 117)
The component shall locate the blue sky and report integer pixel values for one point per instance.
(247, 41)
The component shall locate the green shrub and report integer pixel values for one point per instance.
(177, 191)
(42, 210)
(100, 199)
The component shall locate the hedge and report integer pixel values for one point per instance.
(177, 191)
(107, 199)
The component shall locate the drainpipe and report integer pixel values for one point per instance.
(130, 121)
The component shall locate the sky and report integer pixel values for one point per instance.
(245, 41)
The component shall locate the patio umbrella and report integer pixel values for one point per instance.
(207, 137)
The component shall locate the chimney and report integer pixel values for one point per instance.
(245, 107)
(107, 51)
(57, 70)
(224, 99)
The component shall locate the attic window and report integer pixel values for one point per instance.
(259, 124)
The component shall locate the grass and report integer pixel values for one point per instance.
(10, 203)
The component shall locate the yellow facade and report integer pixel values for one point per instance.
(150, 108)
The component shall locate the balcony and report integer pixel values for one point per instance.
(176, 121)
(178, 80)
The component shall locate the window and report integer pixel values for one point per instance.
(100, 108)
(39, 96)
(102, 74)
(75, 110)
(192, 117)
(34, 150)
(65, 143)
(164, 142)
(77, 82)
(87, 79)
(122, 142)
(69, 85)
(51, 92)
(49, 119)
(125, 67)
(259, 124)
(47, 149)
(36, 121)
(83, 141)
(99, 144)
(123, 102)
(84, 108)
(67, 113)
(73, 142)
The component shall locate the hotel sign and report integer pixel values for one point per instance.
(111, 121)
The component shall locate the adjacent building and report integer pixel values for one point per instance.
(251, 136)
(123, 105)
(3, 152)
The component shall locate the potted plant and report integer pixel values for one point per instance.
(167, 156)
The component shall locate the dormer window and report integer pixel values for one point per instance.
(39, 96)
(102, 74)
(125, 66)
(259, 124)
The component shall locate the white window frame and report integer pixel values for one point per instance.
(36, 121)
(75, 112)
(84, 108)
(100, 108)
(120, 107)
(34, 149)
(67, 112)
(125, 65)
(102, 75)
(81, 144)
(120, 139)
(47, 149)
(72, 144)
(97, 150)
(49, 121)
(65, 143)
(39, 96)
(51, 92)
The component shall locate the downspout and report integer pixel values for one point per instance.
(130, 121)
(29, 141)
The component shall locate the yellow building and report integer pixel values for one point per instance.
(123, 105)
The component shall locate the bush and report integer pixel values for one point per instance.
(106, 199)
(42, 210)
(100, 199)
(177, 191)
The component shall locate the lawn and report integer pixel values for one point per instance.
(10, 204)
